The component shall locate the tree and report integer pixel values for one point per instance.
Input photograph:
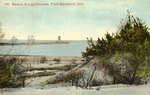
(1, 32)
(133, 37)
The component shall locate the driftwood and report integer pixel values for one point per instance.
(39, 74)
(61, 68)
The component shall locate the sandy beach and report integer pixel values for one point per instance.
(71, 90)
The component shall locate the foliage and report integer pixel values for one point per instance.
(133, 36)
(9, 72)
(43, 59)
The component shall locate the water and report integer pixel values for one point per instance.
(74, 48)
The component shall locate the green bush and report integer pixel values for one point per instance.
(133, 36)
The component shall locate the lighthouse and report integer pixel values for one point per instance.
(59, 41)
(59, 38)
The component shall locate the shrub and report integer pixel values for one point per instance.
(133, 36)
(9, 72)
(43, 59)
(57, 60)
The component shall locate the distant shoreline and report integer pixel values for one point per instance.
(34, 43)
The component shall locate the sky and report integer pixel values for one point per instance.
(92, 19)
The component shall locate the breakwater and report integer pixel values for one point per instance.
(34, 43)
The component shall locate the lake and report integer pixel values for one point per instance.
(74, 48)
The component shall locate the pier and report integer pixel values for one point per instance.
(33, 42)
